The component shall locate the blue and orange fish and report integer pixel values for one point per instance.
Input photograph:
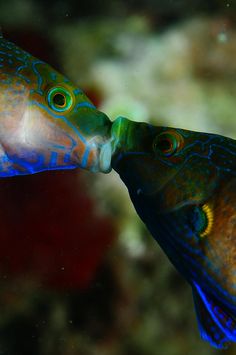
(183, 187)
(182, 183)
(45, 121)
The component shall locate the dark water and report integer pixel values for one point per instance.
(79, 273)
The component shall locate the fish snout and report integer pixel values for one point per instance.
(123, 134)
(94, 154)
(93, 150)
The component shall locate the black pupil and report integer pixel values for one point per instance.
(59, 100)
(164, 144)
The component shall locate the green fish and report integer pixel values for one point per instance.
(46, 122)
(182, 183)
(183, 187)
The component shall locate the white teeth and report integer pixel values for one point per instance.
(105, 158)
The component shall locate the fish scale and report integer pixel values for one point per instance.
(183, 187)
(46, 122)
(182, 183)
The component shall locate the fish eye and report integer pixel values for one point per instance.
(59, 99)
(167, 143)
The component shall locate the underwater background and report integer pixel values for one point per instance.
(79, 272)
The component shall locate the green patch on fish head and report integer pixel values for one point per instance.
(48, 115)
(66, 107)
(177, 165)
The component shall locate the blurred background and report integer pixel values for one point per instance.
(79, 273)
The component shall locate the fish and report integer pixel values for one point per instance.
(46, 122)
(181, 183)
(183, 187)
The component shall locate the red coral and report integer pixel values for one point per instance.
(49, 229)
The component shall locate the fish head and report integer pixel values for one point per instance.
(68, 121)
(182, 185)
(46, 121)
(164, 161)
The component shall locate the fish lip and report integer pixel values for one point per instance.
(96, 155)
(105, 158)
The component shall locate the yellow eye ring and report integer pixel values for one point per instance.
(167, 143)
(60, 99)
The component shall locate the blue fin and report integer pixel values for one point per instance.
(215, 324)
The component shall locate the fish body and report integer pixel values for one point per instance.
(183, 187)
(182, 183)
(46, 122)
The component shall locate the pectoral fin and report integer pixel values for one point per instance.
(215, 324)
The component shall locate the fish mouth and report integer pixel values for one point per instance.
(109, 149)
(105, 157)
(122, 144)
(95, 156)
